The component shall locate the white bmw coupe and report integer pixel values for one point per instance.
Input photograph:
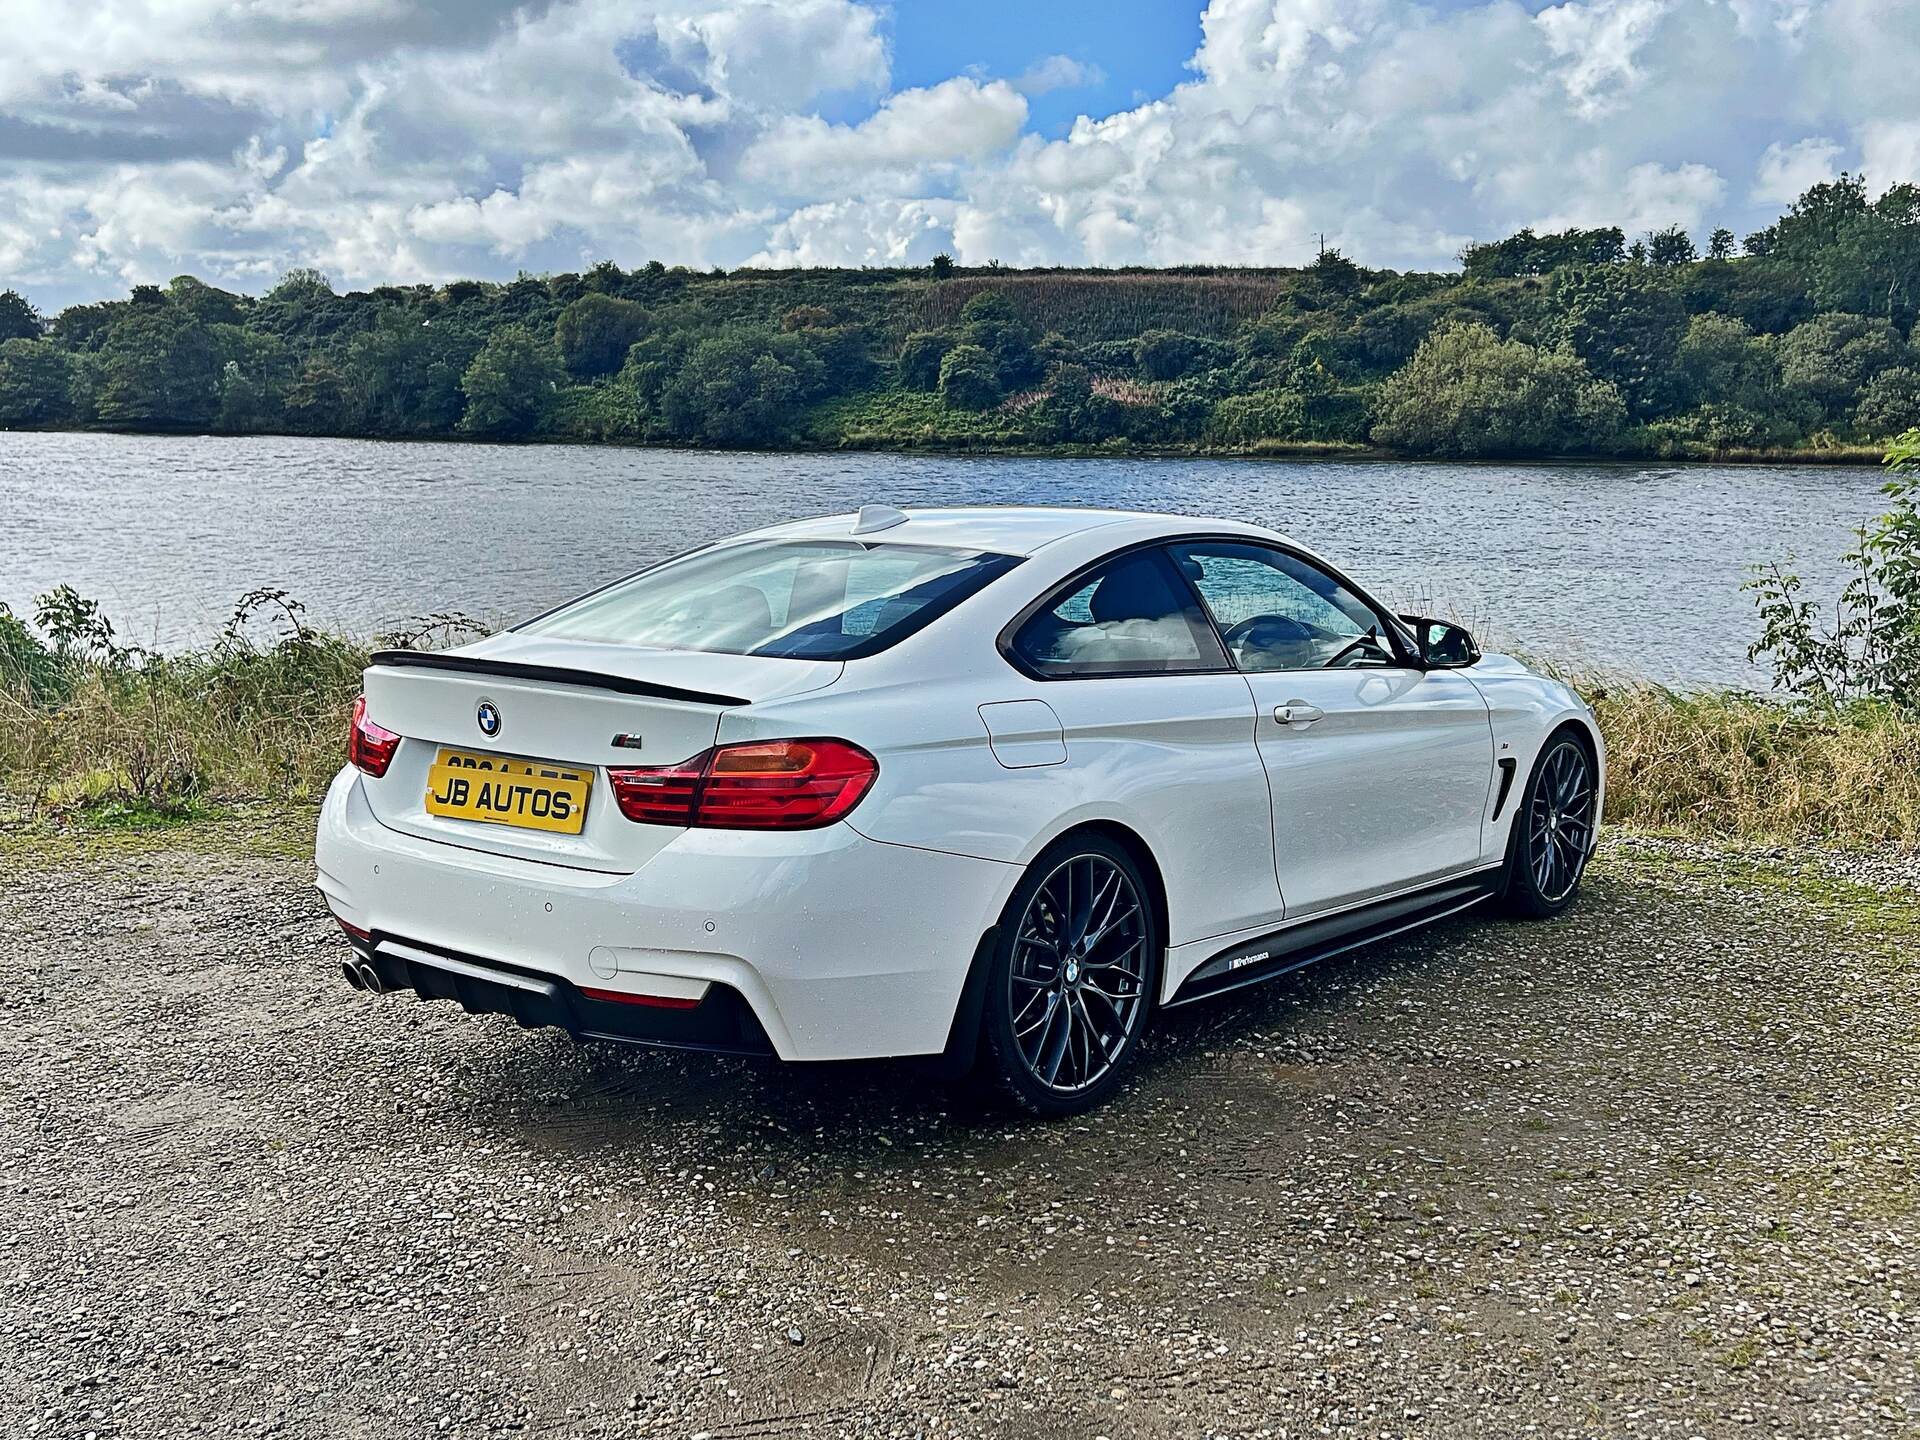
(990, 784)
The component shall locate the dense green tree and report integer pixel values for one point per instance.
(205, 303)
(1169, 354)
(1721, 360)
(1671, 246)
(942, 265)
(742, 387)
(844, 353)
(18, 319)
(83, 327)
(993, 322)
(1890, 403)
(1468, 392)
(511, 384)
(36, 383)
(1831, 357)
(970, 378)
(1072, 412)
(1720, 244)
(1856, 255)
(1526, 253)
(1626, 326)
(1770, 299)
(918, 364)
(404, 373)
(318, 401)
(595, 332)
(253, 381)
(157, 368)
(1335, 273)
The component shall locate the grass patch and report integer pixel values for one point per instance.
(278, 831)
(1731, 766)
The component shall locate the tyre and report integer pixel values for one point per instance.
(1074, 971)
(1553, 831)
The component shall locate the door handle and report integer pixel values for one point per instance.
(1298, 712)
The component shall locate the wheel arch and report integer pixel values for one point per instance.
(1587, 733)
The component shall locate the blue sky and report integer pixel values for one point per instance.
(423, 140)
(1139, 47)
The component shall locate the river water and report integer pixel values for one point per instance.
(1628, 568)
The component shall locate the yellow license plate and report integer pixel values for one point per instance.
(506, 790)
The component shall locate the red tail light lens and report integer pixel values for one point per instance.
(369, 746)
(768, 785)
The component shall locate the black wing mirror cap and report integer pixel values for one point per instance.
(1443, 646)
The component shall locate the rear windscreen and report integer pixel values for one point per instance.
(800, 599)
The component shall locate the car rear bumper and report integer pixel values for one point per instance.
(835, 946)
(719, 1021)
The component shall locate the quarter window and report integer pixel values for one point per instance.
(1279, 612)
(1132, 616)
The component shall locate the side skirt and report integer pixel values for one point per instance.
(1306, 941)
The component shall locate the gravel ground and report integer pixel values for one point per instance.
(1647, 1170)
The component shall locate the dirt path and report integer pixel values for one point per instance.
(1648, 1170)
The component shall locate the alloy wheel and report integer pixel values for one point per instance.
(1560, 823)
(1077, 983)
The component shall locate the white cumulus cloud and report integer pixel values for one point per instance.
(398, 140)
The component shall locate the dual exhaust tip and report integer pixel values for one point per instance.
(362, 976)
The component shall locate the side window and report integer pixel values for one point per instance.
(1279, 612)
(1132, 616)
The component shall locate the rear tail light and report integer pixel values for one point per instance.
(369, 746)
(766, 785)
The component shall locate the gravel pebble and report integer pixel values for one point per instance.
(1645, 1170)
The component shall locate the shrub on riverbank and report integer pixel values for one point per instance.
(90, 728)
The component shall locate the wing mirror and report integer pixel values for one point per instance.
(1442, 646)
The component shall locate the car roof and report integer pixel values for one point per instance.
(1003, 529)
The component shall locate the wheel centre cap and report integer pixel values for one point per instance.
(1073, 972)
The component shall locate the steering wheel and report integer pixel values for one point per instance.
(1273, 634)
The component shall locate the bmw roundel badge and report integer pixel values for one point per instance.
(487, 714)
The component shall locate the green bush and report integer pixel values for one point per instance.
(742, 387)
(594, 333)
(1625, 324)
(1170, 355)
(1263, 415)
(970, 378)
(1890, 403)
(1467, 392)
(1870, 649)
(1831, 357)
(510, 385)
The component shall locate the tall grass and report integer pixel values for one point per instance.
(88, 724)
(183, 730)
(1729, 765)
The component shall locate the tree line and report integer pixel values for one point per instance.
(1576, 342)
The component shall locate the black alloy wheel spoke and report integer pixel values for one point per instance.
(1077, 986)
(1560, 822)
